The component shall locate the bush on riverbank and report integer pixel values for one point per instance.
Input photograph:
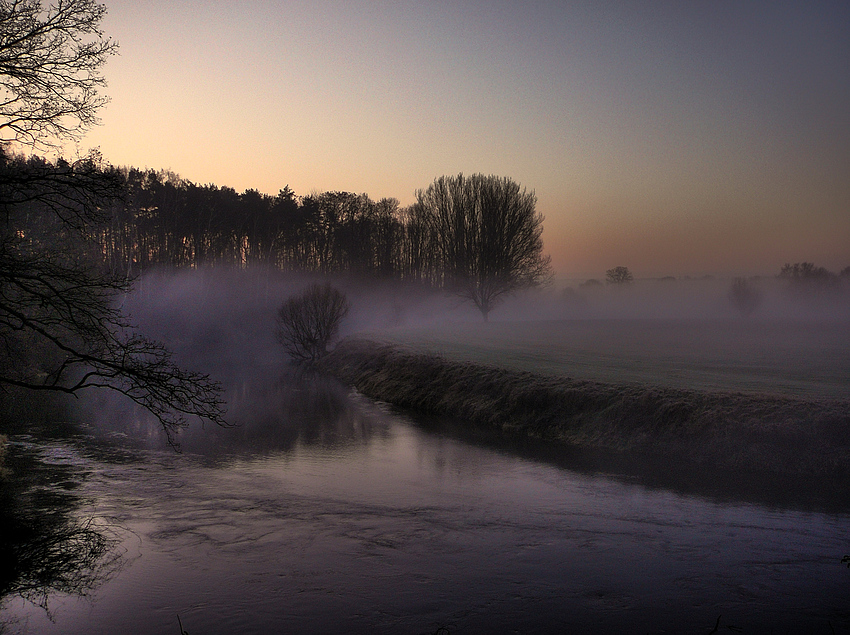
(716, 429)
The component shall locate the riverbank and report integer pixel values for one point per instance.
(717, 430)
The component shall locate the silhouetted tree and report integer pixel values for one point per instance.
(419, 257)
(50, 63)
(309, 321)
(744, 296)
(805, 280)
(488, 237)
(59, 328)
(805, 272)
(619, 275)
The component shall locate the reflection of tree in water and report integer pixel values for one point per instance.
(44, 549)
(278, 414)
(269, 412)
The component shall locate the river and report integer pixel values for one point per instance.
(331, 514)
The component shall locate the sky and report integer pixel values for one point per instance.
(674, 138)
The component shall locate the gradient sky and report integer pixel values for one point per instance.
(670, 137)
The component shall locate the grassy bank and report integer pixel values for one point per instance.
(721, 430)
(779, 357)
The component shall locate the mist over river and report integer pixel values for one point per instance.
(337, 515)
(320, 511)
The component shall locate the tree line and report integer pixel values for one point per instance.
(475, 235)
(160, 219)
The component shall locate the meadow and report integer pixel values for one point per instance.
(800, 358)
(768, 396)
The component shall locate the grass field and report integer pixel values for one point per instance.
(808, 359)
(654, 393)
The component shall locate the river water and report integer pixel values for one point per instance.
(331, 514)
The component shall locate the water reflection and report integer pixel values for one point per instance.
(271, 410)
(360, 522)
(276, 410)
(665, 473)
(45, 548)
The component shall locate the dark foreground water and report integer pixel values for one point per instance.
(349, 519)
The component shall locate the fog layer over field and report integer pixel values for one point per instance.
(222, 322)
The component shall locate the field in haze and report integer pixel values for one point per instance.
(803, 358)
(681, 334)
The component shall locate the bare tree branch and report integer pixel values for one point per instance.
(60, 330)
(50, 70)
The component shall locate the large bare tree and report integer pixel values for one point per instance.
(488, 235)
(60, 330)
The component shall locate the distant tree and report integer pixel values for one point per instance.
(593, 283)
(619, 275)
(487, 233)
(420, 258)
(744, 296)
(309, 321)
(805, 280)
(845, 273)
(805, 272)
(570, 295)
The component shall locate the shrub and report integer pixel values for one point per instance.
(593, 283)
(619, 275)
(309, 321)
(744, 296)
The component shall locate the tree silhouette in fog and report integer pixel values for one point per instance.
(806, 281)
(309, 321)
(487, 234)
(164, 220)
(744, 296)
(619, 275)
(59, 330)
(805, 272)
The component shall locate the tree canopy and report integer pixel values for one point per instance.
(487, 234)
(309, 321)
(619, 275)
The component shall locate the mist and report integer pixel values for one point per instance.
(664, 332)
(317, 490)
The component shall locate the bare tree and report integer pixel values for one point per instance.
(619, 275)
(50, 63)
(488, 236)
(744, 296)
(309, 321)
(59, 328)
(806, 273)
